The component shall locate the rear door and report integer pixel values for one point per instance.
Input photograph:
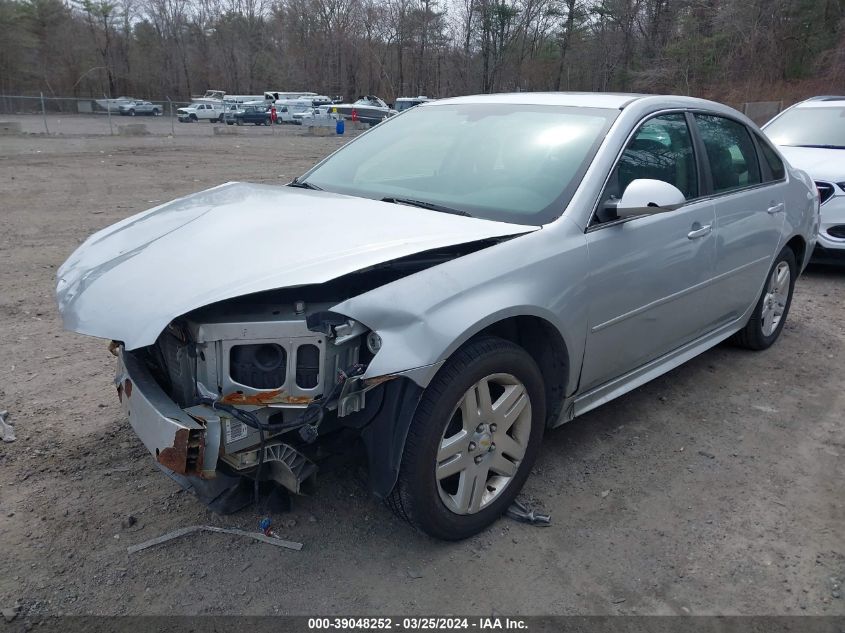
(749, 209)
(649, 275)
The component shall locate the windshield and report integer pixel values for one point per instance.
(815, 125)
(506, 162)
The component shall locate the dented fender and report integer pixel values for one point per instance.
(424, 318)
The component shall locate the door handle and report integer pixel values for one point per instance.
(776, 208)
(696, 233)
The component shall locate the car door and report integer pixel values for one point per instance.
(649, 274)
(749, 208)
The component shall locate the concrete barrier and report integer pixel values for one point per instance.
(133, 129)
(226, 130)
(8, 128)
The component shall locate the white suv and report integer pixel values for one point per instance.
(811, 135)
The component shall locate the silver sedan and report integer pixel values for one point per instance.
(442, 289)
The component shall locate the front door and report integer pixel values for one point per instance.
(649, 275)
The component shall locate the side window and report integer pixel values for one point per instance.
(771, 157)
(660, 150)
(730, 152)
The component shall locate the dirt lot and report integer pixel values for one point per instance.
(716, 489)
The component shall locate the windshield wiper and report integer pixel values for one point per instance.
(426, 205)
(822, 146)
(296, 182)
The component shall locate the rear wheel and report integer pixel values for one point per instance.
(155, 112)
(769, 316)
(472, 442)
(132, 112)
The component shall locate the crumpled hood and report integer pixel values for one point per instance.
(128, 281)
(819, 163)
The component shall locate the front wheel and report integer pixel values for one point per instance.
(473, 440)
(769, 316)
(156, 112)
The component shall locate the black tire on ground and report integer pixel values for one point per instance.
(752, 335)
(239, 121)
(155, 112)
(193, 117)
(416, 497)
(132, 112)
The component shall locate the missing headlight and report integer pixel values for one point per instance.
(262, 366)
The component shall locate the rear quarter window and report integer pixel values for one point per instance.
(771, 158)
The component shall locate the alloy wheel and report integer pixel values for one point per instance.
(483, 443)
(775, 299)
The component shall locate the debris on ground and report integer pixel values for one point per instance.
(11, 613)
(603, 494)
(519, 512)
(270, 540)
(7, 431)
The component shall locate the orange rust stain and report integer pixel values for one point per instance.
(186, 455)
(264, 398)
(175, 457)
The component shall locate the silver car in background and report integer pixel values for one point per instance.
(811, 135)
(137, 108)
(441, 290)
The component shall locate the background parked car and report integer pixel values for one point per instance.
(133, 108)
(811, 135)
(257, 115)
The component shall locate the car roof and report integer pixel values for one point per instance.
(821, 102)
(612, 100)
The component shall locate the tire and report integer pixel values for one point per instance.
(193, 118)
(155, 112)
(132, 112)
(762, 330)
(427, 493)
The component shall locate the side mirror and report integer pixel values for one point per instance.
(644, 196)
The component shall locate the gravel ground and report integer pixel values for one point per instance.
(716, 489)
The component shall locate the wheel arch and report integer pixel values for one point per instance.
(799, 246)
(545, 344)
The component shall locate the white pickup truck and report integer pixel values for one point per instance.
(200, 112)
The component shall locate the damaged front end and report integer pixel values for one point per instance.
(245, 391)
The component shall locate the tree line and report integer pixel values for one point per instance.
(735, 50)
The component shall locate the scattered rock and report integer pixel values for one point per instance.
(128, 522)
(415, 573)
(707, 455)
(604, 493)
(11, 613)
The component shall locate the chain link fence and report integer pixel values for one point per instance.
(762, 111)
(69, 115)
